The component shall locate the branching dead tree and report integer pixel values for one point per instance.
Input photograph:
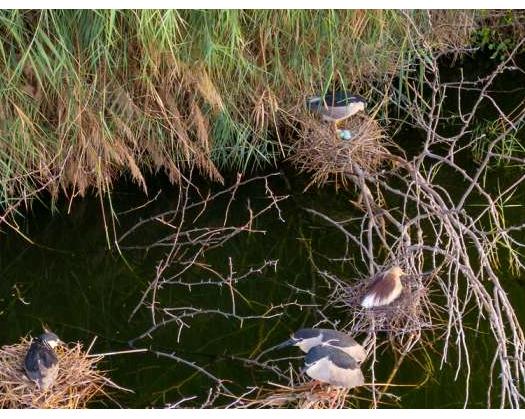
(449, 241)
(410, 218)
(184, 245)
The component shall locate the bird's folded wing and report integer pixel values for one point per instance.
(48, 358)
(381, 287)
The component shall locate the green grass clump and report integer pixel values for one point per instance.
(508, 152)
(499, 32)
(87, 95)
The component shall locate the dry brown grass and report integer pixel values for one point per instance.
(300, 393)
(78, 381)
(158, 90)
(322, 153)
(307, 396)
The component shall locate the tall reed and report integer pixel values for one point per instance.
(89, 95)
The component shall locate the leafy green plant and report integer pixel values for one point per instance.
(499, 33)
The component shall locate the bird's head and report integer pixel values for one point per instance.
(313, 102)
(50, 339)
(358, 106)
(396, 271)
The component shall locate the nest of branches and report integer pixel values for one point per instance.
(307, 396)
(78, 380)
(299, 393)
(404, 320)
(320, 151)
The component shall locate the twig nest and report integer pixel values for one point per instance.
(403, 320)
(309, 395)
(328, 154)
(77, 383)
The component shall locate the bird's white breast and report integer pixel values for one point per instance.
(326, 371)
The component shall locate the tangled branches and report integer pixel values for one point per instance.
(457, 229)
(184, 246)
(299, 393)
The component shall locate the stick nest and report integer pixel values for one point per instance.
(307, 396)
(321, 152)
(77, 383)
(403, 320)
(300, 393)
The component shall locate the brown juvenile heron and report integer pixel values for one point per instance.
(384, 288)
(41, 362)
(336, 107)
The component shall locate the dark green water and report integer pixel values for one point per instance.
(69, 280)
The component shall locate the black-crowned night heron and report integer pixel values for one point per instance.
(41, 362)
(384, 288)
(331, 365)
(308, 338)
(336, 107)
(331, 356)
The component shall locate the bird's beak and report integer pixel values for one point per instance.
(285, 344)
(289, 342)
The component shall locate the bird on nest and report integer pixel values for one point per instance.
(384, 288)
(336, 107)
(41, 362)
(331, 356)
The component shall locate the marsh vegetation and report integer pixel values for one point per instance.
(433, 184)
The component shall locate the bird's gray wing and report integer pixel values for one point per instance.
(32, 363)
(31, 360)
(48, 358)
(336, 338)
(335, 355)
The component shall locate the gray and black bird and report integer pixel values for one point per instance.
(308, 338)
(332, 365)
(337, 106)
(41, 362)
(331, 356)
